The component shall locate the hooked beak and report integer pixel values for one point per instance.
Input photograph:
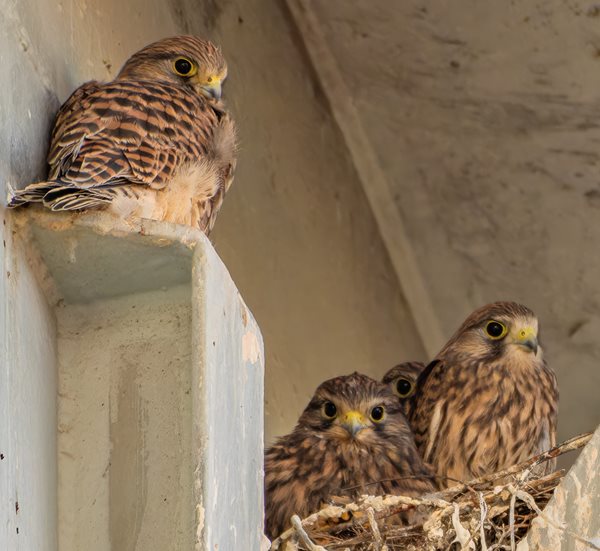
(212, 90)
(528, 339)
(354, 422)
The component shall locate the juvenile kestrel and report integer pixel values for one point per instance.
(488, 400)
(351, 439)
(156, 142)
(402, 380)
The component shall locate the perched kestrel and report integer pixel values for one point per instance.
(156, 142)
(351, 439)
(488, 400)
(402, 380)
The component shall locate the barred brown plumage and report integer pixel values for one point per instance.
(152, 143)
(488, 400)
(402, 380)
(340, 448)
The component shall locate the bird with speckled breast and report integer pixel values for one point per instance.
(351, 439)
(489, 400)
(156, 142)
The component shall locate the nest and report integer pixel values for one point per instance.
(491, 513)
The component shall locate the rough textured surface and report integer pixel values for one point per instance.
(125, 435)
(28, 385)
(575, 505)
(485, 121)
(228, 416)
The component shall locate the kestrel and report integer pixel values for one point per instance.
(156, 142)
(351, 439)
(402, 380)
(488, 400)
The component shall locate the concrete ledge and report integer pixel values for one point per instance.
(573, 514)
(160, 386)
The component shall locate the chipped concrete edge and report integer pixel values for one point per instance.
(571, 519)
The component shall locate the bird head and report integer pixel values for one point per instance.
(402, 378)
(498, 330)
(183, 60)
(353, 409)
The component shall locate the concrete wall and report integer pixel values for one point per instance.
(28, 396)
(143, 443)
(571, 521)
(487, 129)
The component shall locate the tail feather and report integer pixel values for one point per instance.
(69, 198)
(57, 196)
(33, 193)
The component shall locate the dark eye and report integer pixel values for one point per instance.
(404, 387)
(495, 329)
(329, 410)
(377, 413)
(183, 67)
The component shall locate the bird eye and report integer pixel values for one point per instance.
(329, 410)
(377, 413)
(495, 329)
(404, 388)
(184, 67)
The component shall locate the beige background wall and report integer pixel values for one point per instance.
(485, 117)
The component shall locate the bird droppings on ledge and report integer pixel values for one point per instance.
(250, 347)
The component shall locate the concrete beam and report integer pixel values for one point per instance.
(371, 175)
(160, 390)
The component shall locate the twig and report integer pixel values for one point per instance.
(483, 510)
(297, 524)
(570, 445)
(511, 521)
(374, 528)
(463, 536)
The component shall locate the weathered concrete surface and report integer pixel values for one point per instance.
(28, 374)
(160, 398)
(485, 120)
(28, 385)
(125, 423)
(228, 416)
(573, 513)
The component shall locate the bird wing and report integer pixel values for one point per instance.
(548, 425)
(422, 405)
(128, 132)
